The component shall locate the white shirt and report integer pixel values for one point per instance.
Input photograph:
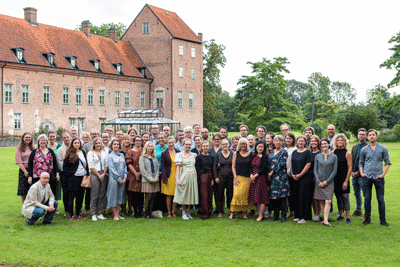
(95, 162)
(81, 171)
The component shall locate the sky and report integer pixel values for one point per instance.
(344, 40)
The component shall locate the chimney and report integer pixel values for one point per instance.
(86, 27)
(30, 15)
(112, 33)
(200, 35)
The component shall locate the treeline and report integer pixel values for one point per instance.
(267, 98)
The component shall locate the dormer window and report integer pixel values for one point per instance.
(96, 64)
(50, 59)
(117, 67)
(142, 71)
(72, 61)
(19, 54)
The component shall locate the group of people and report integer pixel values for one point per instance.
(154, 172)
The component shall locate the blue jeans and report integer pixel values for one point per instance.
(380, 193)
(357, 186)
(39, 212)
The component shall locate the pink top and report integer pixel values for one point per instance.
(22, 157)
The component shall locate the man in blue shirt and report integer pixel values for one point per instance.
(371, 158)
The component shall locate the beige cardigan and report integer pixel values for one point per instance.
(32, 200)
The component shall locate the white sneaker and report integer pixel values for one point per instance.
(302, 221)
(184, 216)
(188, 215)
(101, 217)
(315, 218)
(296, 219)
(94, 218)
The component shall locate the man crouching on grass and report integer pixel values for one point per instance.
(40, 201)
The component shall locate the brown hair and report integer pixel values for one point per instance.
(22, 145)
(72, 154)
(293, 137)
(318, 142)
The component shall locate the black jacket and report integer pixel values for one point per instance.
(70, 168)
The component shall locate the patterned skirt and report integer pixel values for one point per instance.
(325, 193)
(23, 185)
(241, 195)
(150, 187)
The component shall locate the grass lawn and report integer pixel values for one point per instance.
(214, 242)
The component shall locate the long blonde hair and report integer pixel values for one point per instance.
(144, 153)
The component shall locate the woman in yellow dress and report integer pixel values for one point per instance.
(241, 163)
(168, 174)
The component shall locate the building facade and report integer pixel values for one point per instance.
(56, 77)
(173, 53)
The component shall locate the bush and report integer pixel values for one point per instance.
(388, 135)
(60, 131)
(348, 135)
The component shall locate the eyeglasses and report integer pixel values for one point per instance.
(217, 139)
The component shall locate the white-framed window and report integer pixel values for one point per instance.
(102, 95)
(193, 52)
(127, 99)
(8, 93)
(90, 97)
(142, 99)
(25, 94)
(181, 50)
(159, 99)
(190, 99)
(193, 74)
(17, 121)
(82, 122)
(180, 72)
(46, 94)
(78, 96)
(65, 97)
(117, 98)
(72, 121)
(180, 99)
(146, 27)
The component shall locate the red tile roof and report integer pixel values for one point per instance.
(174, 24)
(63, 43)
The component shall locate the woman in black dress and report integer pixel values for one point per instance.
(204, 170)
(223, 178)
(342, 187)
(303, 185)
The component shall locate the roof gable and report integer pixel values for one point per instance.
(174, 24)
(64, 43)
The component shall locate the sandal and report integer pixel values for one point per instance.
(329, 225)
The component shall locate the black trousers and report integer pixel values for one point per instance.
(279, 205)
(86, 192)
(219, 193)
(137, 202)
(306, 194)
(292, 198)
(64, 188)
(78, 195)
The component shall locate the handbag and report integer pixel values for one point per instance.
(86, 183)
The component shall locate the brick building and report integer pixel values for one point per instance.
(73, 77)
(173, 53)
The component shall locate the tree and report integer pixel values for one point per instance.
(102, 30)
(228, 105)
(214, 58)
(296, 91)
(261, 96)
(394, 61)
(376, 95)
(319, 87)
(392, 106)
(343, 93)
(355, 117)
